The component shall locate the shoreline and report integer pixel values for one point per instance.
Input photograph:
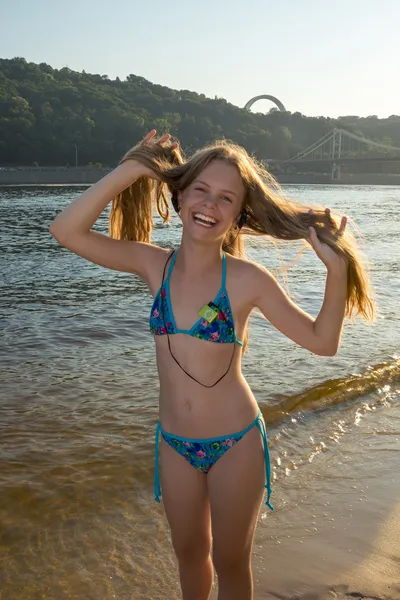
(283, 183)
(81, 176)
(379, 573)
(374, 575)
(345, 543)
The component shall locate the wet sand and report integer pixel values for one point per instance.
(335, 532)
(377, 577)
(361, 559)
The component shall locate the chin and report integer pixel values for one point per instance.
(203, 235)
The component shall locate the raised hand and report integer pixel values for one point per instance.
(163, 141)
(330, 258)
(151, 140)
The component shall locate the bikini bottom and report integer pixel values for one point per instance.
(204, 453)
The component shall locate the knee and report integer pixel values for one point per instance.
(192, 549)
(229, 561)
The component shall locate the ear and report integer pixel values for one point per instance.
(242, 219)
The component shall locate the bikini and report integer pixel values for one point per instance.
(216, 325)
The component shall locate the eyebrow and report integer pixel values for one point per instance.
(204, 183)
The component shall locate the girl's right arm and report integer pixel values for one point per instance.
(72, 227)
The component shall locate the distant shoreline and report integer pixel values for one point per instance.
(83, 176)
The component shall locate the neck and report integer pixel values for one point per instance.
(197, 259)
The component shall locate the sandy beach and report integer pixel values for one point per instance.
(377, 577)
(340, 557)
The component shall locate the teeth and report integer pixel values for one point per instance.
(202, 217)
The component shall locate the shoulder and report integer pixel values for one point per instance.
(252, 272)
(253, 278)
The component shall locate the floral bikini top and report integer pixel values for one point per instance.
(216, 319)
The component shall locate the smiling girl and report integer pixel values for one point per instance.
(211, 436)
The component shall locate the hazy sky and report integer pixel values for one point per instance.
(319, 57)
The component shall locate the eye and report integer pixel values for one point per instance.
(199, 189)
(227, 198)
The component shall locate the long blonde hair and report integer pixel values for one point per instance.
(268, 212)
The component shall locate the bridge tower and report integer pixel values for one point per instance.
(336, 153)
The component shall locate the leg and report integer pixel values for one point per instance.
(236, 488)
(185, 497)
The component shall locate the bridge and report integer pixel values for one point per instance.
(339, 147)
(334, 149)
(273, 99)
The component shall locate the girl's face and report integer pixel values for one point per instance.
(212, 202)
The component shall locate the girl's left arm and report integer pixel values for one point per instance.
(322, 334)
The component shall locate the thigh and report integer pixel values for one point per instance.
(186, 503)
(236, 488)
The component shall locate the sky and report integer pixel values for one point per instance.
(319, 57)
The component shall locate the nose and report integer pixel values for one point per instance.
(210, 199)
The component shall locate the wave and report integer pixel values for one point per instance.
(332, 392)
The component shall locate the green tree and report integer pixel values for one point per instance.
(44, 112)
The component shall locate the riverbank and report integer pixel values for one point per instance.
(376, 577)
(347, 546)
(20, 176)
(26, 176)
(345, 179)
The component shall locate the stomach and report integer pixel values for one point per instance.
(190, 409)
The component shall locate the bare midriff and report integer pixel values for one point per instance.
(187, 408)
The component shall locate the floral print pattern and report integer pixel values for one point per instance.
(221, 329)
(158, 324)
(202, 455)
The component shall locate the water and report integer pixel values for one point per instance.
(79, 397)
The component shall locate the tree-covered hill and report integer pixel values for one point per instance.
(47, 114)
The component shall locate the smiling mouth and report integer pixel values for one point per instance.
(204, 220)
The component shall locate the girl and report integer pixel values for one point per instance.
(214, 460)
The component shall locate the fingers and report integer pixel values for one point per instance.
(313, 233)
(313, 239)
(342, 227)
(163, 141)
(166, 139)
(331, 222)
(149, 136)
